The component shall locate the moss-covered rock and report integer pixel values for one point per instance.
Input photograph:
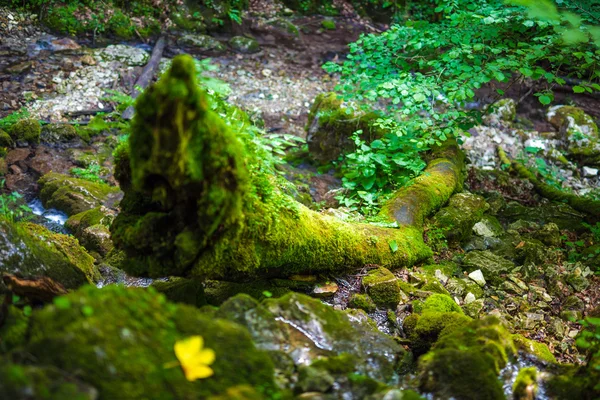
(382, 286)
(5, 139)
(466, 360)
(439, 303)
(32, 250)
(181, 290)
(563, 215)
(26, 382)
(91, 229)
(328, 24)
(503, 110)
(462, 212)
(330, 127)
(537, 349)
(26, 130)
(243, 44)
(362, 302)
(424, 329)
(201, 42)
(306, 329)
(121, 342)
(13, 331)
(578, 129)
(492, 266)
(525, 386)
(488, 226)
(74, 195)
(58, 133)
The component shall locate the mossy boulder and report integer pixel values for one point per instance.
(32, 250)
(504, 110)
(58, 133)
(457, 219)
(362, 302)
(578, 129)
(563, 215)
(121, 342)
(328, 24)
(91, 227)
(26, 382)
(244, 45)
(181, 290)
(424, 329)
(488, 226)
(383, 288)
(26, 130)
(537, 349)
(5, 139)
(491, 265)
(307, 329)
(331, 125)
(200, 42)
(438, 303)
(74, 195)
(466, 360)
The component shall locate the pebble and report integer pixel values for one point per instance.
(469, 298)
(589, 172)
(477, 277)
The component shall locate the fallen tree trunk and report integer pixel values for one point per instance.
(199, 201)
(579, 203)
(147, 74)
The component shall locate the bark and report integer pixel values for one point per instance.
(147, 74)
(198, 202)
(36, 290)
(579, 203)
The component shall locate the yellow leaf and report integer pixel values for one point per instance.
(194, 360)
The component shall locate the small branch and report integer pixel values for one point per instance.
(147, 74)
(41, 289)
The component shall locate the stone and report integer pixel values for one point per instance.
(457, 219)
(491, 265)
(477, 277)
(469, 298)
(382, 286)
(504, 110)
(244, 45)
(488, 227)
(579, 131)
(200, 42)
(325, 290)
(589, 172)
(128, 55)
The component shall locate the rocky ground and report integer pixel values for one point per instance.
(501, 250)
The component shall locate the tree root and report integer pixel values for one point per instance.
(582, 204)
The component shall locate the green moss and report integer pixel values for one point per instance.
(73, 195)
(428, 326)
(66, 245)
(95, 216)
(200, 203)
(26, 130)
(382, 286)
(13, 331)
(58, 133)
(243, 44)
(525, 385)
(24, 382)
(539, 350)
(5, 139)
(362, 302)
(180, 290)
(440, 303)
(119, 340)
(328, 24)
(462, 212)
(340, 364)
(32, 250)
(466, 360)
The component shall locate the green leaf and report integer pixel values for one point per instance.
(419, 97)
(545, 100)
(393, 246)
(578, 89)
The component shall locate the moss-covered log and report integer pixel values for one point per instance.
(579, 203)
(200, 199)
